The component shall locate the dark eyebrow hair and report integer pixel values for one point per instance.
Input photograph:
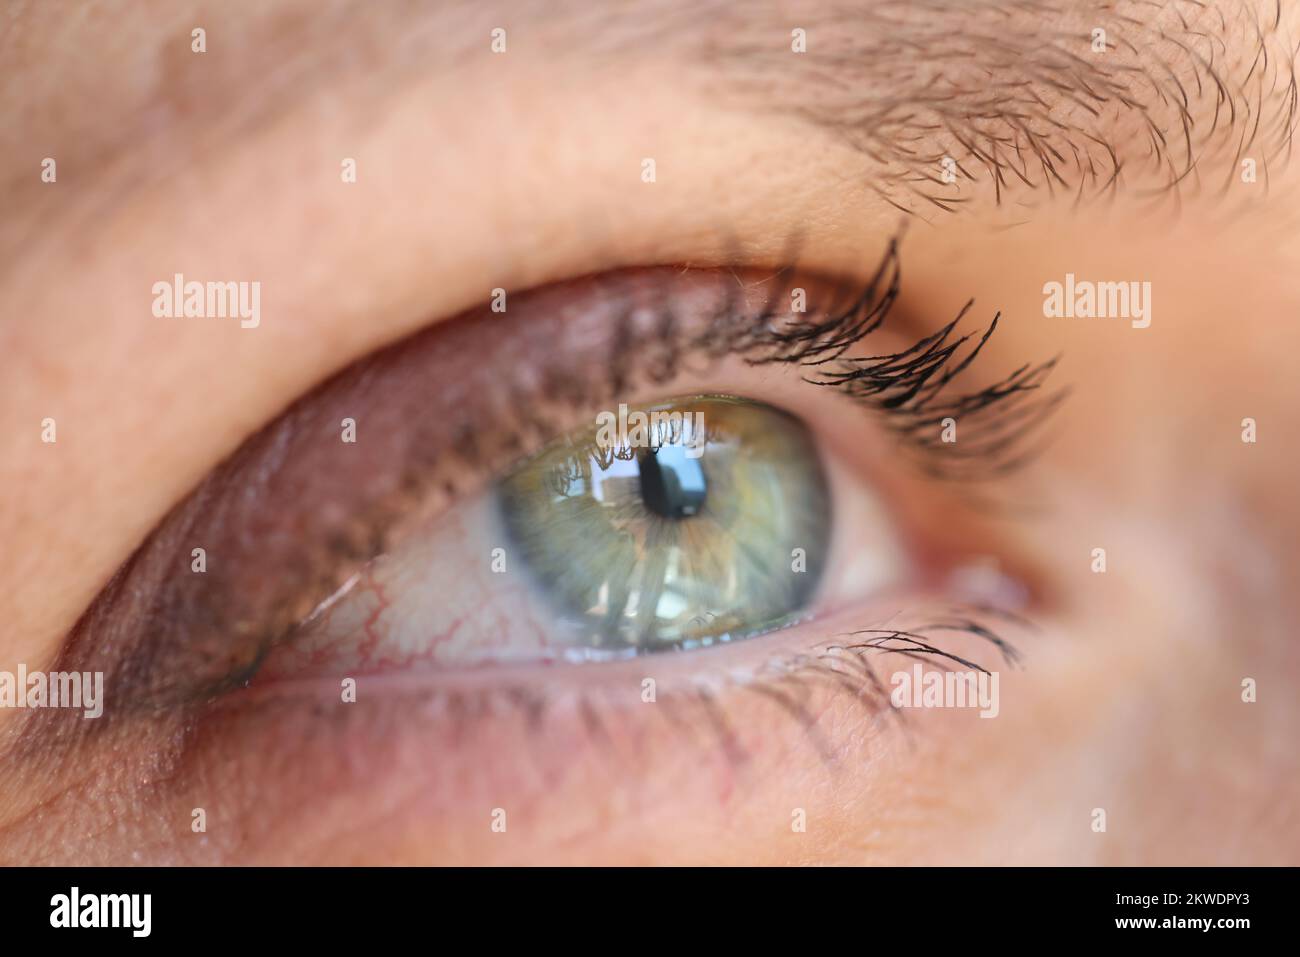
(1009, 90)
(1010, 98)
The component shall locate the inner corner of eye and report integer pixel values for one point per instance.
(688, 522)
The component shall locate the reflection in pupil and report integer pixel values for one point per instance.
(672, 484)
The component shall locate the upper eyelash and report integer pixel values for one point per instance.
(911, 388)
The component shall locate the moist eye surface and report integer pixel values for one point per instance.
(689, 522)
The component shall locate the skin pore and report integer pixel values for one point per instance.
(478, 170)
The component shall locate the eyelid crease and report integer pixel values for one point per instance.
(294, 512)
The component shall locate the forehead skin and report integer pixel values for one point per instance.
(478, 170)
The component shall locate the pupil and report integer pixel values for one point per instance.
(672, 485)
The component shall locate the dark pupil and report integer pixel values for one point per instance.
(672, 485)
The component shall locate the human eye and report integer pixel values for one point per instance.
(657, 487)
(659, 522)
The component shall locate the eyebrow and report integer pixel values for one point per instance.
(1029, 97)
(1000, 96)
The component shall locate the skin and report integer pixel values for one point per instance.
(478, 171)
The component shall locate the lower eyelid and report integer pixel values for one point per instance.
(721, 731)
(845, 640)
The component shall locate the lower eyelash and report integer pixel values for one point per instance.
(801, 673)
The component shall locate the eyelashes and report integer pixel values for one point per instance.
(913, 389)
(293, 513)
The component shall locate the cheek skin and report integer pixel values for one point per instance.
(601, 783)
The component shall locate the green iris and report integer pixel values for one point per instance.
(709, 524)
